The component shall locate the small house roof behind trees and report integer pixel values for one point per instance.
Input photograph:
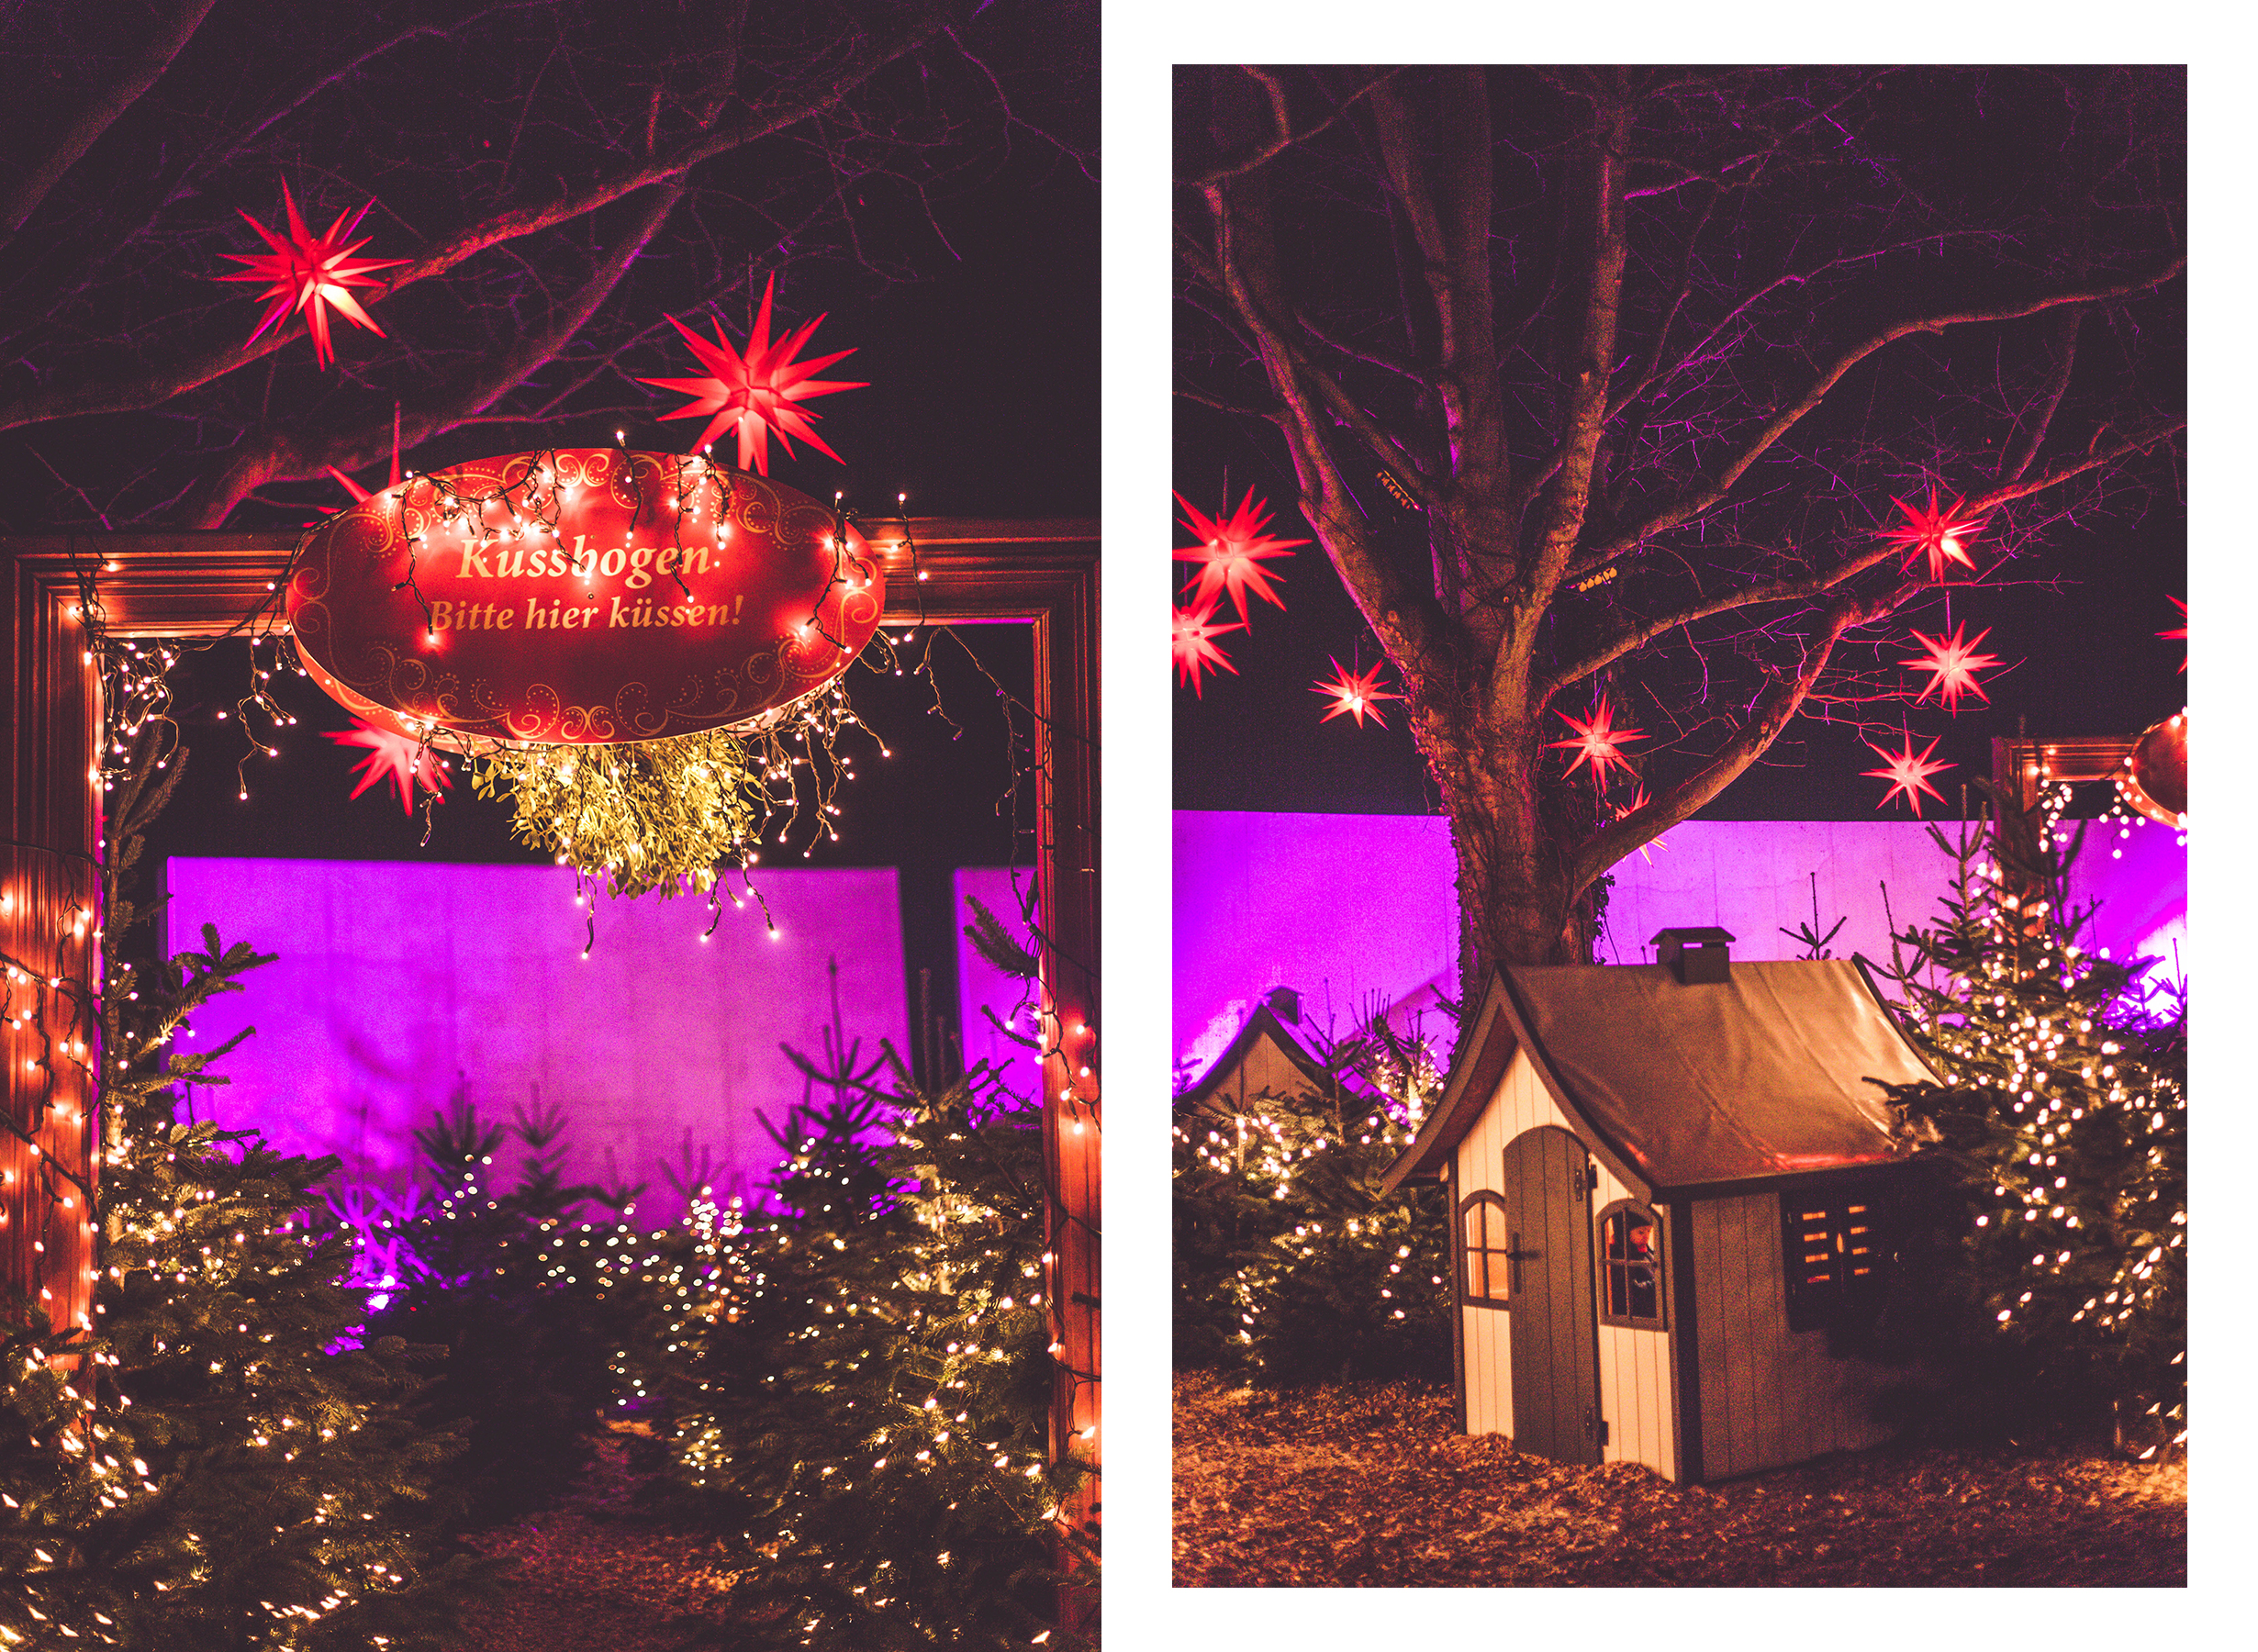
(1688, 1088)
(1266, 1057)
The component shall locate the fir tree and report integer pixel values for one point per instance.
(1290, 1262)
(527, 1378)
(2063, 1101)
(857, 1380)
(200, 1471)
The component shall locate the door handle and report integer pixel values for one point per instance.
(1515, 1255)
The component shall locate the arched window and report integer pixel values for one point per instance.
(1485, 1262)
(1630, 1266)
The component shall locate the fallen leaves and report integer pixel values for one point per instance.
(603, 1571)
(1369, 1485)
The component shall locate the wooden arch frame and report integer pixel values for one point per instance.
(1485, 1201)
(1042, 574)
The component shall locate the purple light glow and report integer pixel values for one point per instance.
(1349, 908)
(394, 978)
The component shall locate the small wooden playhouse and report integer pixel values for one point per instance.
(1668, 1181)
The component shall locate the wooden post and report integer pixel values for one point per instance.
(1045, 574)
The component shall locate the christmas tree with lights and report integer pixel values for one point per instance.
(2063, 1101)
(527, 1378)
(1290, 1263)
(200, 1470)
(855, 1381)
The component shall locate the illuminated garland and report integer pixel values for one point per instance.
(2064, 1092)
(1289, 1257)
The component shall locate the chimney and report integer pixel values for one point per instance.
(1695, 956)
(1286, 1004)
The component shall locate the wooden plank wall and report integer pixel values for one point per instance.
(1265, 1078)
(1634, 1366)
(1634, 1373)
(1769, 1397)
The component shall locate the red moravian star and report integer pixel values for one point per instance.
(1639, 801)
(1907, 773)
(2179, 634)
(1938, 534)
(1231, 551)
(394, 757)
(1195, 631)
(756, 391)
(1597, 742)
(1354, 693)
(311, 275)
(1952, 664)
(361, 496)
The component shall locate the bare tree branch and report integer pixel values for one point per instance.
(1232, 407)
(1773, 713)
(1695, 500)
(1646, 631)
(2099, 459)
(2017, 458)
(821, 88)
(1402, 616)
(285, 455)
(1285, 138)
(140, 72)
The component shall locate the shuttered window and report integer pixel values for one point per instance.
(1630, 1266)
(1485, 1266)
(1836, 1260)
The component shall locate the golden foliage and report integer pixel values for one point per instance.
(664, 815)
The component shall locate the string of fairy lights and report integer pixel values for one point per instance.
(2066, 1084)
(646, 816)
(969, 1294)
(1267, 1151)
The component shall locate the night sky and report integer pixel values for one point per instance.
(2076, 625)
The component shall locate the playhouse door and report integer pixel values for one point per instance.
(1555, 1332)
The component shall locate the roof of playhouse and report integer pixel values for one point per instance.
(1688, 1090)
(1264, 1025)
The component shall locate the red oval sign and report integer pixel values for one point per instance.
(581, 594)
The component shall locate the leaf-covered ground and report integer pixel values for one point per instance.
(1369, 1485)
(605, 1571)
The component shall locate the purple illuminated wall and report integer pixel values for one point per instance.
(394, 978)
(1351, 908)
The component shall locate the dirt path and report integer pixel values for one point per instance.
(600, 1572)
(1368, 1485)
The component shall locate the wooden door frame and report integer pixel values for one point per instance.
(1040, 573)
(2022, 767)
